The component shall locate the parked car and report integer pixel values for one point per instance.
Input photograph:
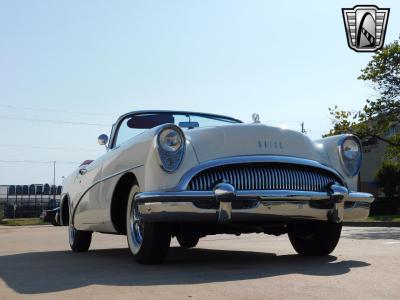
(187, 175)
(51, 216)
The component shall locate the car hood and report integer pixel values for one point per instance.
(251, 139)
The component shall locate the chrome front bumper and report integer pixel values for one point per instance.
(336, 205)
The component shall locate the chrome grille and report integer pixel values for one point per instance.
(264, 177)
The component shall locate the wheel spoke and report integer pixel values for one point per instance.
(71, 230)
(137, 226)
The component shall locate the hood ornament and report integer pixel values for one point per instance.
(256, 118)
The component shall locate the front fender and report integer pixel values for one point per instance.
(329, 146)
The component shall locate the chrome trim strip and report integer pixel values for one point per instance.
(118, 173)
(186, 178)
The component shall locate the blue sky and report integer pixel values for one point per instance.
(94, 60)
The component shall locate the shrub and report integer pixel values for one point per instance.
(385, 206)
(388, 178)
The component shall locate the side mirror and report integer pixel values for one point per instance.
(103, 139)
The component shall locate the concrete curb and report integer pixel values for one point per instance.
(372, 224)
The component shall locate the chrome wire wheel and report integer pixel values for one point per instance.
(136, 226)
(134, 223)
(72, 234)
(147, 241)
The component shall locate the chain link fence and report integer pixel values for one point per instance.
(28, 201)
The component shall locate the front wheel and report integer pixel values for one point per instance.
(149, 242)
(314, 238)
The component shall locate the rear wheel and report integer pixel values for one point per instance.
(314, 238)
(79, 240)
(149, 242)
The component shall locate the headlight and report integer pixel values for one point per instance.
(171, 147)
(170, 140)
(350, 153)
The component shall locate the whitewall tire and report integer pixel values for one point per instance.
(148, 242)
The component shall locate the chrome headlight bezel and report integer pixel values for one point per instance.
(351, 166)
(170, 160)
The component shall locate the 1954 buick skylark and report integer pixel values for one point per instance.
(187, 175)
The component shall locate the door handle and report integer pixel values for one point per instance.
(82, 171)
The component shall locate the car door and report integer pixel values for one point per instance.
(88, 180)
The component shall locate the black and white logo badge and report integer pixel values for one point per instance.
(365, 27)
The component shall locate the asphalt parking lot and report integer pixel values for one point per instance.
(35, 263)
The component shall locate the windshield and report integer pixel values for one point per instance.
(135, 124)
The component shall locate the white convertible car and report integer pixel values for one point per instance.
(187, 175)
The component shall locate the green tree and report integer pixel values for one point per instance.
(378, 115)
(388, 178)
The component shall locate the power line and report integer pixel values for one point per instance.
(39, 161)
(97, 114)
(49, 148)
(52, 121)
(55, 110)
(100, 124)
(282, 121)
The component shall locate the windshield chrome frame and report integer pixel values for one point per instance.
(117, 124)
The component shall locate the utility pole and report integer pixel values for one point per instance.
(54, 172)
(54, 179)
(302, 128)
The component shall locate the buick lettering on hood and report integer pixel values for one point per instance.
(188, 175)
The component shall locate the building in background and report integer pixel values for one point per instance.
(374, 152)
(27, 201)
